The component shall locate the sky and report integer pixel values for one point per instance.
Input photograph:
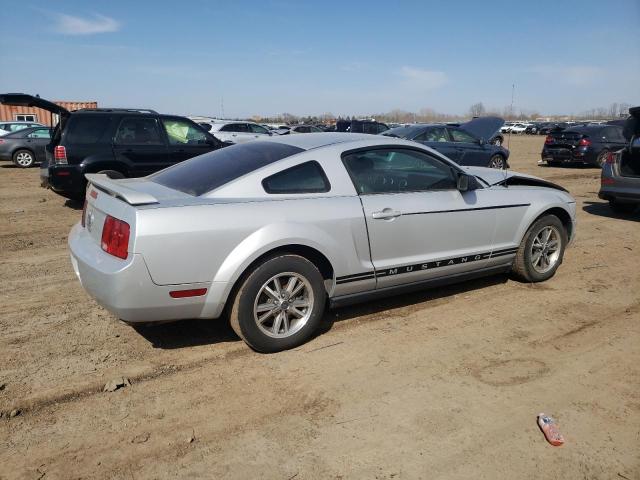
(267, 57)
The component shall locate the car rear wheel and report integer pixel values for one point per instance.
(619, 207)
(601, 159)
(541, 250)
(279, 304)
(23, 158)
(497, 161)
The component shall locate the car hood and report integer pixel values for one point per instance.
(493, 176)
(632, 124)
(483, 127)
(25, 100)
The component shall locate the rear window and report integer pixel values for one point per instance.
(207, 172)
(85, 129)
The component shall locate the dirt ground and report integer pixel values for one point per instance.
(439, 384)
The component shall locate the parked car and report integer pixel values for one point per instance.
(271, 231)
(464, 144)
(120, 142)
(25, 147)
(361, 126)
(531, 128)
(496, 139)
(518, 128)
(8, 127)
(304, 129)
(506, 128)
(237, 131)
(586, 144)
(620, 177)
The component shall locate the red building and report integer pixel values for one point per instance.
(9, 113)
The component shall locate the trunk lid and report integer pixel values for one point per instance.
(483, 127)
(565, 139)
(25, 100)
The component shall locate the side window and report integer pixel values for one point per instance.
(258, 129)
(438, 134)
(85, 129)
(40, 133)
(231, 127)
(307, 177)
(391, 170)
(138, 131)
(183, 133)
(461, 136)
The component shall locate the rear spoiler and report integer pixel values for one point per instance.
(117, 189)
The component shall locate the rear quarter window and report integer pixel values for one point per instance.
(86, 129)
(307, 177)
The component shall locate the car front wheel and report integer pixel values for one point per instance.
(23, 159)
(279, 304)
(541, 250)
(497, 161)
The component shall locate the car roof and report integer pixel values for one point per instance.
(323, 139)
(25, 131)
(18, 122)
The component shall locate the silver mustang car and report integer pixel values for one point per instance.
(267, 233)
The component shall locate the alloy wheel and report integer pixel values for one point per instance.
(545, 249)
(496, 162)
(24, 159)
(283, 305)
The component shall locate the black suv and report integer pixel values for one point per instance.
(119, 142)
(361, 126)
(587, 144)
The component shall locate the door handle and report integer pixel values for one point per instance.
(386, 214)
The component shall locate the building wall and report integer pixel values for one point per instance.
(8, 112)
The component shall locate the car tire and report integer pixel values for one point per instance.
(621, 207)
(113, 174)
(271, 317)
(24, 158)
(540, 253)
(601, 159)
(497, 161)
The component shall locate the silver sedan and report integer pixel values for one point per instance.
(268, 233)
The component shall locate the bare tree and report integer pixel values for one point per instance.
(477, 110)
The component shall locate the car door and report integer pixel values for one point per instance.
(258, 132)
(139, 144)
(38, 139)
(186, 139)
(469, 149)
(420, 226)
(613, 139)
(438, 138)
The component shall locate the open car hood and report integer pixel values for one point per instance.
(493, 176)
(25, 100)
(632, 124)
(483, 127)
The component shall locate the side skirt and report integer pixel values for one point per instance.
(359, 297)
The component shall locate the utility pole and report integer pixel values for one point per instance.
(222, 107)
(513, 91)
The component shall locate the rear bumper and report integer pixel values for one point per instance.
(125, 288)
(66, 180)
(616, 187)
(566, 155)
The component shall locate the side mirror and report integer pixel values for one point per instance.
(466, 182)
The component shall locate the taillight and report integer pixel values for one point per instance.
(584, 142)
(611, 158)
(60, 154)
(84, 212)
(548, 140)
(1, 141)
(115, 237)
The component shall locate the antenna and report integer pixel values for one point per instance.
(513, 91)
(222, 107)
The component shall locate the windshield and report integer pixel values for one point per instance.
(207, 172)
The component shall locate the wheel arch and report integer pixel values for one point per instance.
(315, 256)
(561, 213)
(17, 149)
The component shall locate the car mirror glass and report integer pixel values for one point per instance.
(463, 182)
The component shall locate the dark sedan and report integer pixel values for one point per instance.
(465, 144)
(586, 144)
(25, 147)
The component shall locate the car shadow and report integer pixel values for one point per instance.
(187, 333)
(602, 209)
(193, 333)
(406, 301)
